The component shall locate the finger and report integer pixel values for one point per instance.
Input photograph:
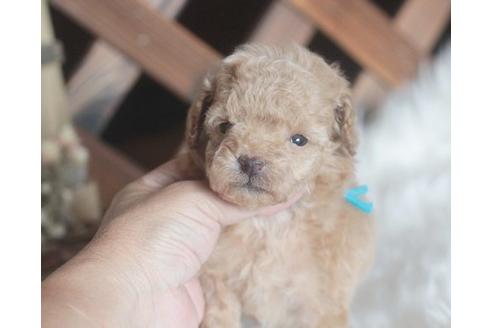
(227, 213)
(271, 210)
(196, 296)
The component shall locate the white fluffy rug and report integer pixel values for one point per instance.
(405, 159)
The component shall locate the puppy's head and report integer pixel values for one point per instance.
(269, 122)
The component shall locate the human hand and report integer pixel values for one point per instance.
(141, 267)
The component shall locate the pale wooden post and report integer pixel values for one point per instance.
(53, 102)
(64, 159)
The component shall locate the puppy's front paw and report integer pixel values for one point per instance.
(222, 308)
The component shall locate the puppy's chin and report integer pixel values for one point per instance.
(244, 195)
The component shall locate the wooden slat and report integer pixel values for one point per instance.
(366, 34)
(282, 24)
(100, 84)
(111, 170)
(163, 48)
(421, 22)
(105, 76)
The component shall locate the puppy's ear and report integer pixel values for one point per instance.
(344, 129)
(196, 137)
(331, 77)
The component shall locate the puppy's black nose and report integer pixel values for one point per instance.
(250, 165)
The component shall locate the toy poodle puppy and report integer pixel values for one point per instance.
(269, 123)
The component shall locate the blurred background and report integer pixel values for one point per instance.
(118, 77)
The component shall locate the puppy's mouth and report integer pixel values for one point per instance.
(250, 186)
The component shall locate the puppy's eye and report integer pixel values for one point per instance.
(299, 140)
(224, 127)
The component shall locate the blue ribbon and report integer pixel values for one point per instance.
(353, 197)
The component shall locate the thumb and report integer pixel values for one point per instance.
(226, 213)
